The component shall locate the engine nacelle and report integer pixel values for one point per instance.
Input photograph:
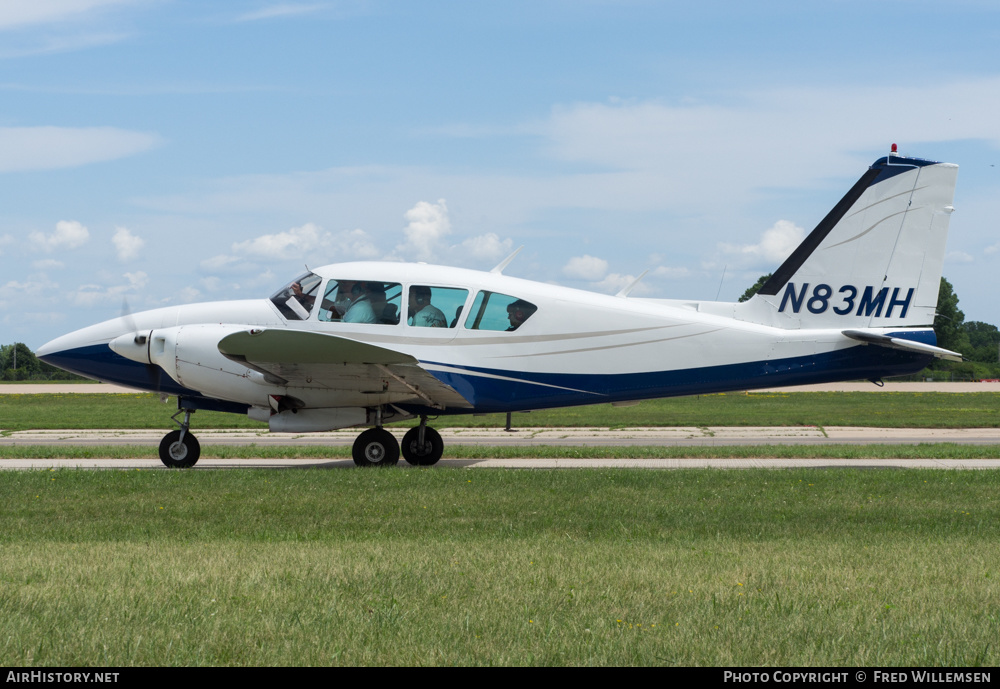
(190, 355)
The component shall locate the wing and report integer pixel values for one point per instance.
(355, 370)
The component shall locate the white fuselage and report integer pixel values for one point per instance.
(576, 348)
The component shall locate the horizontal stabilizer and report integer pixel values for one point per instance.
(900, 343)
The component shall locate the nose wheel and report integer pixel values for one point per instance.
(180, 449)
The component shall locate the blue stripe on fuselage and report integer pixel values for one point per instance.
(491, 390)
(100, 363)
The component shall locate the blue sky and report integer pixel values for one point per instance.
(169, 151)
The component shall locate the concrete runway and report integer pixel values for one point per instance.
(587, 437)
(206, 464)
(584, 437)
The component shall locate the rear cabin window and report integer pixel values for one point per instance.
(435, 307)
(361, 301)
(495, 311)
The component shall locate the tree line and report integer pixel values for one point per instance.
(17, 362)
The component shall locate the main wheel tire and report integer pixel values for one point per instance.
(177, 453)
(426, 455)
(376, 447)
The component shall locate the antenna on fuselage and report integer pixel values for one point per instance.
(625, 290)
(504, 263)
(721, 281)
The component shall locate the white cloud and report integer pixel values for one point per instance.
(428, 224)
(212, 283)
(296, 242)
(50, 148)
(91, 294)
(69, 234)
(586, 267)
(673, 273)
(127, 245)
(355, 244)
(14, 14)
(218, 263)
(32, 290)
(188, 295)
(302, 243)
(992, 249)
(487, 246)
(48, 264)
(684, 154)
(775, 245)
(136, 280)
(280, 10)
(615, 282)
(958, 257)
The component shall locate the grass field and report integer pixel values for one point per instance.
(888, 410)
(438, 567)
(446, 566)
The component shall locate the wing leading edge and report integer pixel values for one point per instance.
(307, 359)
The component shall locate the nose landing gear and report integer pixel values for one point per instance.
(180, 449)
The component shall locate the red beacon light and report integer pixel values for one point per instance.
(894, 150)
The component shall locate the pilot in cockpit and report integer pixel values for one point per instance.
(307, 300)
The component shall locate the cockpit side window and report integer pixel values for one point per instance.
(361, 301)
(295, 300)
(495, 311)
(435, 307)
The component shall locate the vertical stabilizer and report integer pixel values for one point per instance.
(874, 261)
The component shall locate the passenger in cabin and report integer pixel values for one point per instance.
(422, 313)
(518, 312)
(361, 310)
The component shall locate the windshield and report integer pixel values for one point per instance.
(295, 300)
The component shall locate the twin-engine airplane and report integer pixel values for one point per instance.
(362, 344)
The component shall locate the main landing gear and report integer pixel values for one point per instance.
(422, 446)
(180, 449)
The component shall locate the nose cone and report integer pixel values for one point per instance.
(84, 352)
(132, 346)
